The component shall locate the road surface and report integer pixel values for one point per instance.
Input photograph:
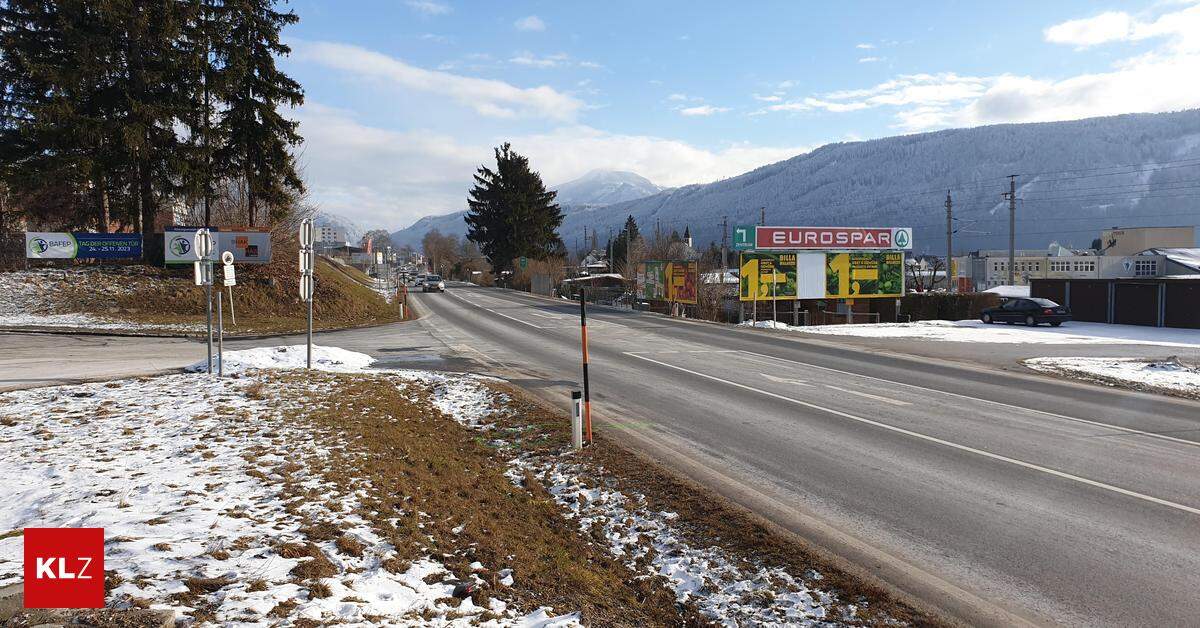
(1001, 497)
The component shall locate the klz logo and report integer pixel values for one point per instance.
(64, 567)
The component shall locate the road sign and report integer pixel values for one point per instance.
(306, 260)
(307, 235)
(306, 287)
(523, 262)
(230, 277)
(203, 273)
(202, 243)
(743, 237)
(227, 258)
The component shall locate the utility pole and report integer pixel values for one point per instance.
(207, 129)
(724, 246)
(1011, 195)
(762, 216)
(949, 242)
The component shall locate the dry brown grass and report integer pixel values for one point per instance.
(429, 463)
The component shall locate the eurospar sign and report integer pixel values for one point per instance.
(793, 238)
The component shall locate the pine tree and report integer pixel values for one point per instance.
(628, 235)
(511, 214)
(255, 139)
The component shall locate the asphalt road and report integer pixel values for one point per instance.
(1001, 497)
(1004, 498)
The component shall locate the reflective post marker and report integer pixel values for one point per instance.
(587, 397)
(576, 419)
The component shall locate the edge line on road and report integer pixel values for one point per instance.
(936, 440)
(1128, 430)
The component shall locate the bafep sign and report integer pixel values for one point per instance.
(768, 238)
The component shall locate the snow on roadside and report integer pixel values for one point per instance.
(978, 332)
(325, 358)
(1169, 374)
(189, 476)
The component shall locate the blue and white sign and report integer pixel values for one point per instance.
(79, 245)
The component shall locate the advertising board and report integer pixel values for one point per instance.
(795, 275)
(80, 245)
(864, 275)
(248, 247)
(651, 281)
(683, 277)
(792, 238)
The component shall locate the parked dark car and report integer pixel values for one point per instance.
(1029, 311)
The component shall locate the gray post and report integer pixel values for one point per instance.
(577, 419)
(220, 336)
(308, 362)
(208, 308)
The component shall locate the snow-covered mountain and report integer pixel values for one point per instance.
(605, 187)
(590, 192)
(1077, 178)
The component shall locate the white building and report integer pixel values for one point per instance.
(332, 236)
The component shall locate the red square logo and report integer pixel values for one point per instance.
(64, 567)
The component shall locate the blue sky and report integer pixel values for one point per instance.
(405, 97)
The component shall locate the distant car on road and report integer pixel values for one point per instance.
(433, 283)
(1029, 311)
(420, 281)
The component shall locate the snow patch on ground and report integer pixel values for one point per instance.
(979, 332)
(27, 300)
(291, 357)
(1166, 374)
(186, 474)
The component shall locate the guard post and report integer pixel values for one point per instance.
(576, 419)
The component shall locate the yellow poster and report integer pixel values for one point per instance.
(864, 275)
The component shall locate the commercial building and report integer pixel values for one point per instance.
(1131, 241)
(332, 236)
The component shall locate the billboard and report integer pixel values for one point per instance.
(676, 281)
(248, 247)
(791, 238)
(794, 275)
(79, 245)
(651, 281)
(864, 275)
(683, 277)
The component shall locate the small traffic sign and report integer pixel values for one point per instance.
(306, 260)
(523, 262)
(306, 287)
(227, 258)
(307, 236)
(743, 237)
(230, 277)
(202, 243)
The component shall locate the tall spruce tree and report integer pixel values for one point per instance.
(255, 139)
(511, 214)
(628, 235)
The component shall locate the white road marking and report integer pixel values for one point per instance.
(894, 402)
(784, 380)
(939, 441)
(464, 300)
(1127, 430)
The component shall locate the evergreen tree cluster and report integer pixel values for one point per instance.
(111, 110)
(511, 214)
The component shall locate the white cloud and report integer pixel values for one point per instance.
(677, 97)
(1106, 27)
(1161, 79)
(547, 61)
(530, 23)
(385, 178)
(486, 96)
(702, 110)
(428, 7)
(865, 46)
(768, 98)
(869, 59)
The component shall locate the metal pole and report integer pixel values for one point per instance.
(774, 308)
(757, 277)
(949, 243)
(1012, 227)
(587, 395)
(208, 310)
(308, 361)
(220, 337)
(232, 311)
